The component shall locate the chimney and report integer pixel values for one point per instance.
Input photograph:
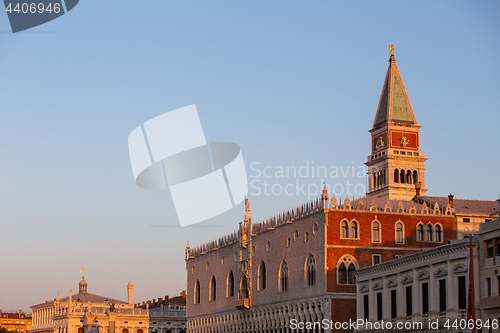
(418, 186)
(183, 293)
(450, 200)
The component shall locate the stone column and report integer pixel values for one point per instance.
(451, 309)
(90, 320)
(112, 320)
(401, 299)
(372, 303)
(386, 299)
(416, 291)
(433, 291)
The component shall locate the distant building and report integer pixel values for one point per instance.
(65, 315)
(489, 240)
(167, 315)
(413, 292)
(469, 214)
(16, 321)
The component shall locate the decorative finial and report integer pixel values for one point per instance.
(391, 50)
(247, 209)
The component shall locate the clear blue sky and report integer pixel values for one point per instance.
(291, 82)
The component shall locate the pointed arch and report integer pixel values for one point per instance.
(344, 229)
(310, 270)
(213, 289)
(376, 232)
(230, 284)
(283, 277)
(439, 233)
(346, 266)
(429, 232)
(262, 276)
(415, 177)
(402, 177)
(244, 287)
(354, 229)
(196, 298)
(400, 232)
(420, 232)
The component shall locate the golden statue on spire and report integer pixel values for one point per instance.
(391, 49)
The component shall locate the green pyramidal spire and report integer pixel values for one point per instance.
(394, 104)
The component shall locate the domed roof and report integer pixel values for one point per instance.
(82, 286)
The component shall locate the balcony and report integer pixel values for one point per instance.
(243, 303)
(490, 302)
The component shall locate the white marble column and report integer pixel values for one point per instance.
(433, 291)
(416, 292)
(450, 297)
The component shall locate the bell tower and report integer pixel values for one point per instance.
(396, 164)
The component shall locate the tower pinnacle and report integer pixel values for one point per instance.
(396, 164)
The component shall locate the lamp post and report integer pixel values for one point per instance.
(471, 307)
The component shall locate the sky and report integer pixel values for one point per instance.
(293, 83)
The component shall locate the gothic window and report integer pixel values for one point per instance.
(213, 289)
(428, 234)
(376, 232)
(262, 276)
(396, 176)
(408, 177)
(439, 233)
(244, 287)
(311, 271)
(403, 176)
(415, 177)
(351, 279)
(283, 276)
(399, 233)
(354, 229)
(230, 284)
(374, 179)
(342, 274)
(344, 232)
(420, 233)
(346, 268)
(197, 292)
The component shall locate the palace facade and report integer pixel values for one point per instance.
(298, 267)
